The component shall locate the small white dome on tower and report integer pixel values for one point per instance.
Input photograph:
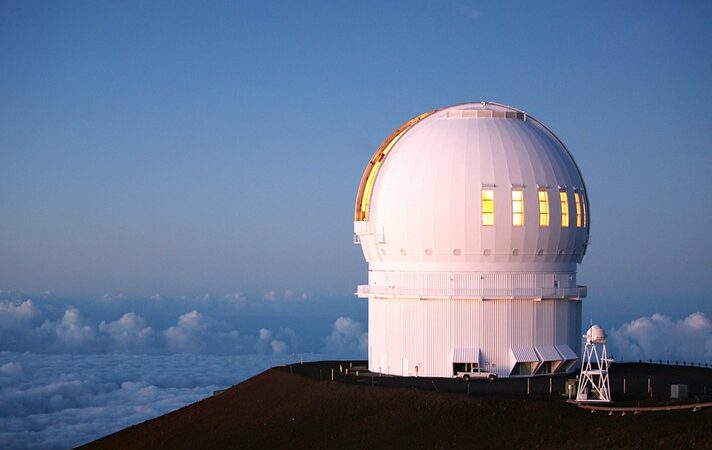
(596, 334)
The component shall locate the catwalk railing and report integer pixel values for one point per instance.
(483, 292)
(670, 362)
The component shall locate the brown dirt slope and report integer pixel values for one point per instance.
(280, 410)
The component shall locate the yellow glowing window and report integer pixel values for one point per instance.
(517, 208)
(487, 207)
(543, 209)
(564, 209)
(577, 199)
(583, 207)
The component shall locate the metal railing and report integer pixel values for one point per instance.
(455, 292)
(670, 362)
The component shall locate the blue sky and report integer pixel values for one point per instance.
(188, 148)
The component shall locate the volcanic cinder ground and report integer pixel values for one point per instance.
(278, 409)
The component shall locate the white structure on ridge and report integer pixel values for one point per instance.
(472, 219)
(594, 384)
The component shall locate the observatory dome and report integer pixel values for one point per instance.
(472, 219)
(469, 186)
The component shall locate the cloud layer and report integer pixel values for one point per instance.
(28, 326)
(61, 401)
(71, 372)
(347, 338)
(661, 337)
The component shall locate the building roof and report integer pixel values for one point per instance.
(547, 353)
(524, 354)
(465, 355)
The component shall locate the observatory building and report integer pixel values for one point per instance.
(472, 219)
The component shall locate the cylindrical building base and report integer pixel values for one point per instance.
(438, 337)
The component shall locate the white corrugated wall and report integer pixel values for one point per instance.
(425, 332)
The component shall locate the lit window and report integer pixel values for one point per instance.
(564, 209)
(583, 206)
(577, 199)
(517, 208)
(543, 209)
(487, 207)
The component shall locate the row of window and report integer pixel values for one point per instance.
(544, 215)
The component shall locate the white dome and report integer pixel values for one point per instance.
(421, 194)
(596, 334)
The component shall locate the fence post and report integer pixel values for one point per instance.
(551, 380)
(332, 374)
(528, 385)
(624, 385)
